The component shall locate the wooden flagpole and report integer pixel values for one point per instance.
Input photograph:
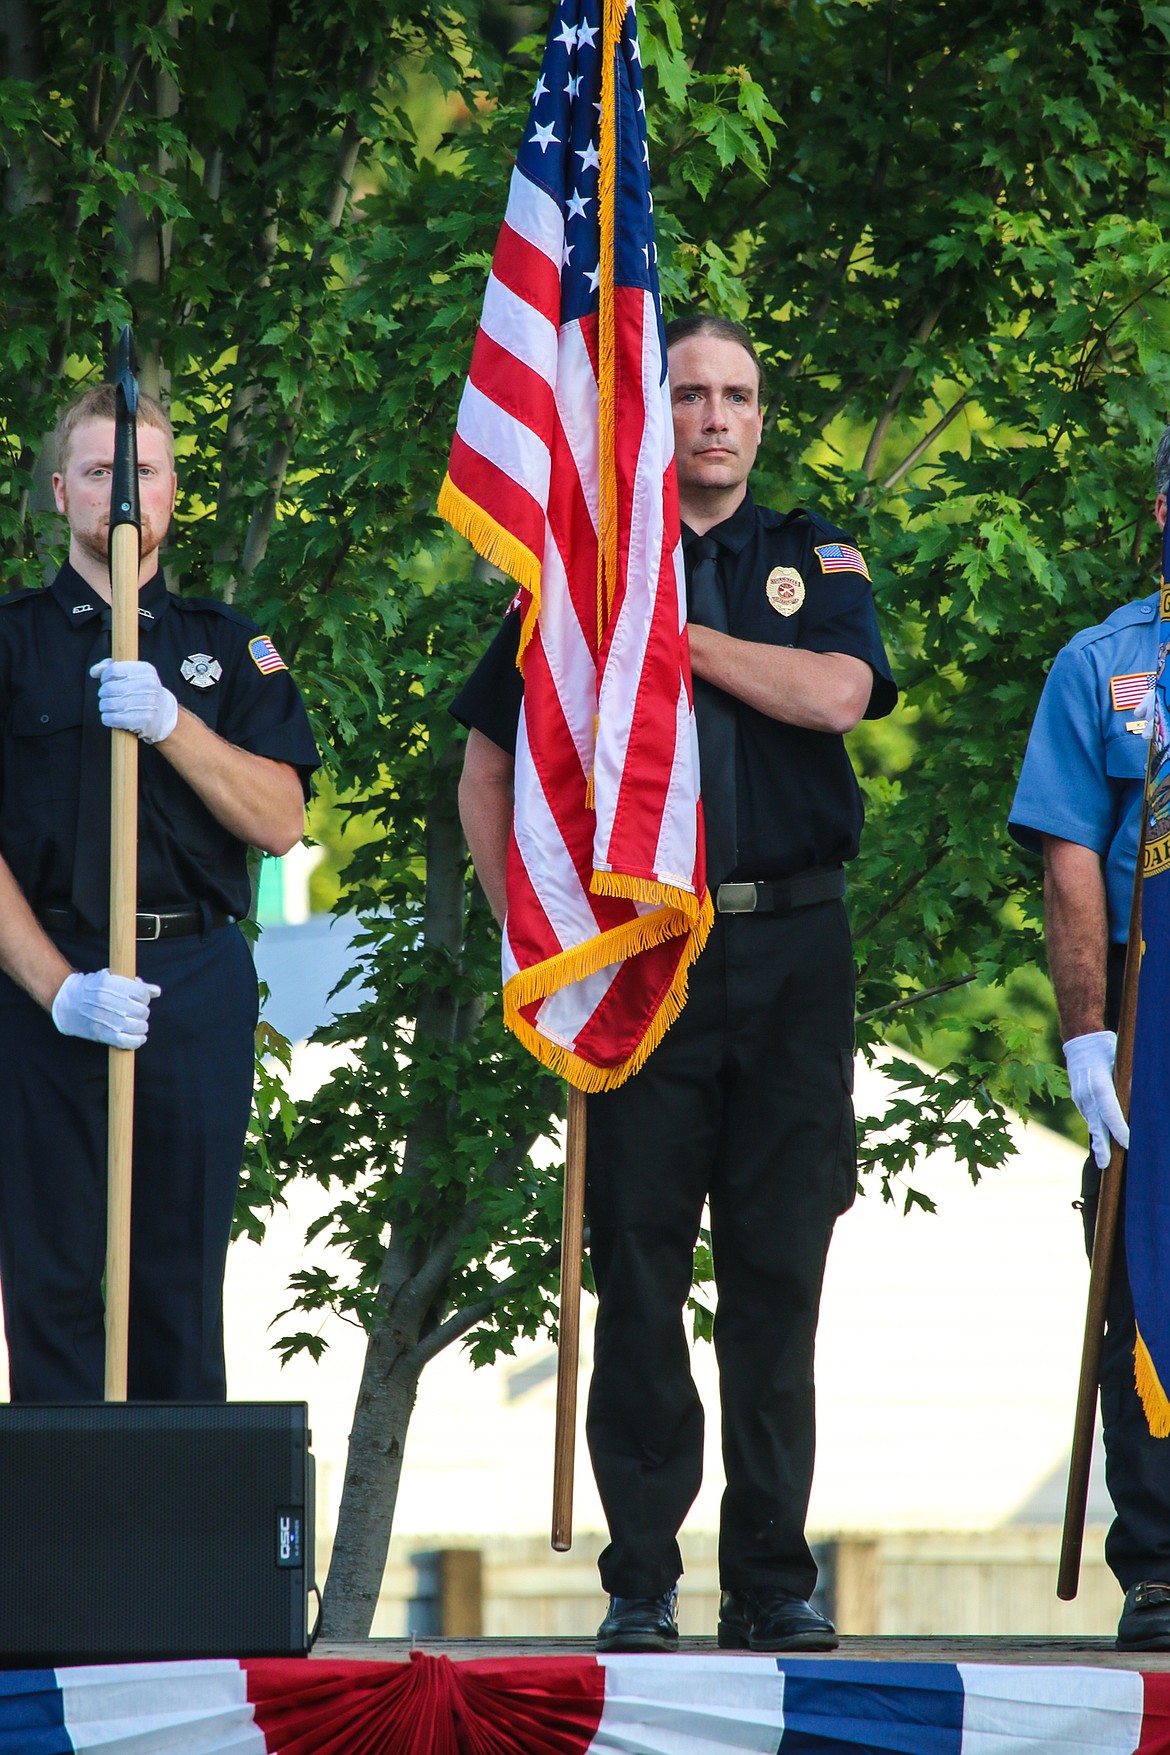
(125, 546)
(1104, 1241)
(569, 1326)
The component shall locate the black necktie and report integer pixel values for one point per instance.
(715, 719)
(90, 893)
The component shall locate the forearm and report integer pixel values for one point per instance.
(821, 691)
(258, 800)
(485, 810)
(1076, 923)
(27, 953)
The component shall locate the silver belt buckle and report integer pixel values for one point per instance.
(736, 899)
(144, 920)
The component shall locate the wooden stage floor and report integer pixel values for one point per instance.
(1095, 1653)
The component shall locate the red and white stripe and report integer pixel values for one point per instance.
(607, 775)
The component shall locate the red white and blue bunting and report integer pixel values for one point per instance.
(683, 1705)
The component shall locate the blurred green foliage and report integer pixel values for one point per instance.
(943, 222)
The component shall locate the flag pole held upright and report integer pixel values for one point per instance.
(1104, 1242)
(125, 548)
(569, 1323)
(562, 474)
(1140, 1074)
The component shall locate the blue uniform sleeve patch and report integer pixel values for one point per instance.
(264, 654)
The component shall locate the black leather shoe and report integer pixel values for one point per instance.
(769, 1619)
(640, 1623)
(1145, 1619)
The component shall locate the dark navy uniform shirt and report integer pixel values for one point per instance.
(48, 639)
(1084, 769)
(797, 800)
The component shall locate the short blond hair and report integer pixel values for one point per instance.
(100, 402)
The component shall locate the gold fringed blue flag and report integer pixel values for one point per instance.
(1147, 1195)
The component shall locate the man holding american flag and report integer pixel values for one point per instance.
(745, 1103)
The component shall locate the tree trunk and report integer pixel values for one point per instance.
(410, 1292)
(377, 1441)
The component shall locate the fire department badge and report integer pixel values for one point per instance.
(785, 589)
(201, 670)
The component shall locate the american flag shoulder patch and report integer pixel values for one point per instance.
(1127, 691)
(264, 654)
(839, 557)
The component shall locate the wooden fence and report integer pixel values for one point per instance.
(995, 1582)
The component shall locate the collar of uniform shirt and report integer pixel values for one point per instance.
(81, 602)
(734, 533)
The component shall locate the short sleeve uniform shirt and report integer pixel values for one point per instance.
(789, 580)
(1084, 769)
(219, 666)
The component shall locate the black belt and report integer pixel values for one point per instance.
(171, 923)
(782, 895)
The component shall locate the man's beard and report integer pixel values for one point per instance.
(97, 547)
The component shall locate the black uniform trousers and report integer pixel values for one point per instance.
(192, 1096)
(1137, 1465)
(746, 1102)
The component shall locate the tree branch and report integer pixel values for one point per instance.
(463, 1321)
(893, 401)
(897, 1005)
(923, 445)
(712, 24)
(899, 895)
(280, 455)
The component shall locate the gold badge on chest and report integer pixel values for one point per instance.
(785, 589)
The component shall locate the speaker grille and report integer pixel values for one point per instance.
(142, 1530)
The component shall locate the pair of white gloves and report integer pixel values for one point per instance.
(1089, 1060)
(104, 1007)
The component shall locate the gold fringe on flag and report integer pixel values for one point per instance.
(614, 947)
(651, 891)
(1149, 1388)
(497, 546)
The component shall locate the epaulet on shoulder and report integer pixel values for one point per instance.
(24, 596)
(820, 524)
(1131, 615)
(216, 606)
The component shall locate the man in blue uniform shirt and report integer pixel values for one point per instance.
(225, 759)
(1079, 803)
(746, 1102)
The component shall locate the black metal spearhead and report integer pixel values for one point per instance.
(124, 486)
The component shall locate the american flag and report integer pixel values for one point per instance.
(562, 472)
(839, 557)
(264, 654)
(1131, 690)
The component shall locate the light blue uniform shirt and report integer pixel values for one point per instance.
(1083, 772)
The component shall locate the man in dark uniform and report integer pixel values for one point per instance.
(746, 1103)
(1079, 804)
(225, 759)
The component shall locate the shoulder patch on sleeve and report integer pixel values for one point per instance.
(264, 654)
(840, 557)
(1129, 691)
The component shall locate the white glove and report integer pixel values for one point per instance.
(104, 1007)
(1089, 1059)
(131, 698)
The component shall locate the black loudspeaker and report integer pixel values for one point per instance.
(140, 1530)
